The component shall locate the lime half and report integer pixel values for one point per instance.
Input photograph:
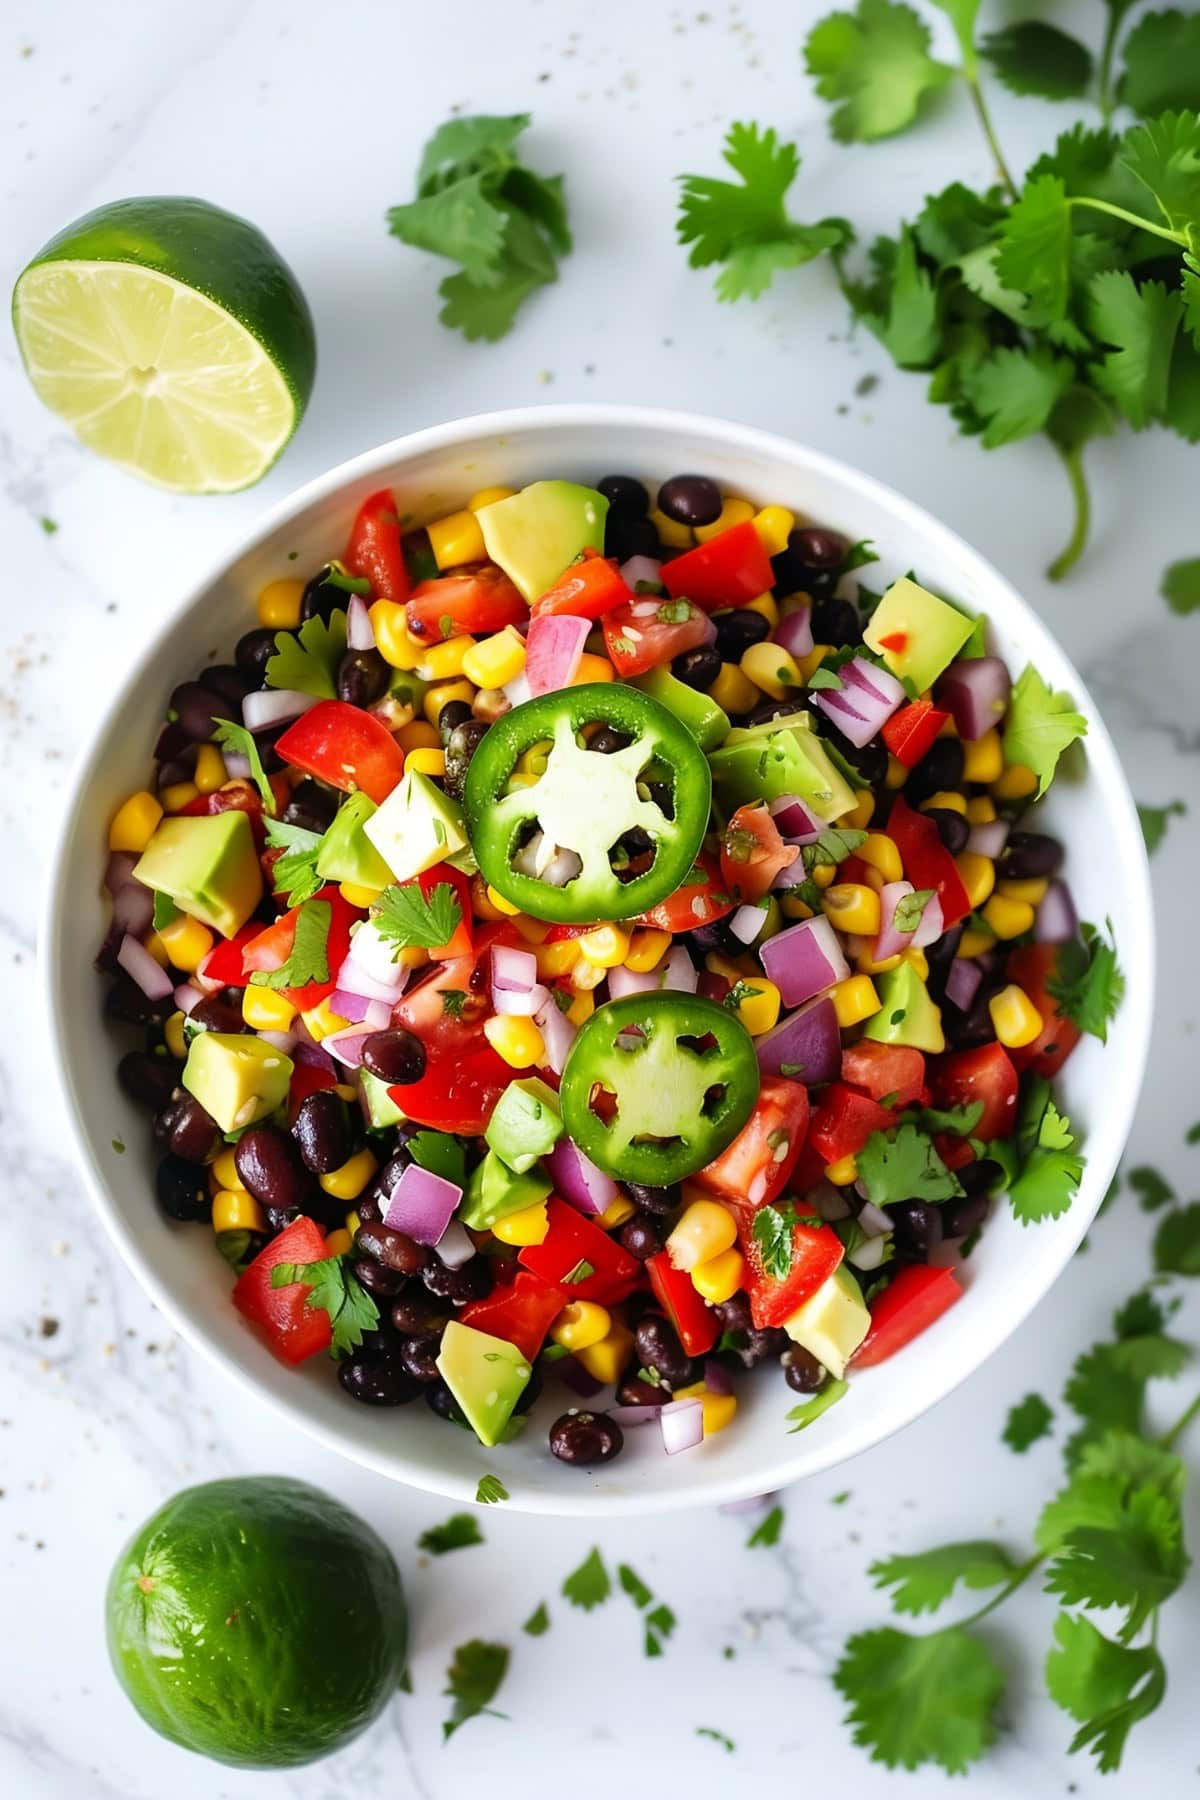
(172, 338)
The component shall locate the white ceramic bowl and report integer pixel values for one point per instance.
(433, 472)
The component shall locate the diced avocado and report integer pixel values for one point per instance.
(906, 1013)
(487, 1376)
(346, 853)
(782, 761)
(208, 866)
(708, 724)
(382, 1111)
(407, 686)
(533, 535)
(525, 1124)
(237, 1078)
(916, 634)
(832, 1323)
(494, 1191)
(417, 825)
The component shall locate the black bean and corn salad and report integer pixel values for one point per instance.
(598, 942)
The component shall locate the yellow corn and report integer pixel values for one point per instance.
(580, 1324)
(224, 1167)
(719, 1279)
(265, 1010)
(734, 511)
(583, 1002)
(616, 1213)
(671, 532)
(442, 694)
(1033, 890)
(793, 907)
(874, 879)
(733, 691)
(348, 1182)
(393, 640)
(456, 539)
(758, 1010)
(842, 1172)
(279, 604)
(771, 668)
(178, 795)
(854, 1000)
(158, 950)
(339, 1242)
(344, 1091)
(704, 1230)
(974, 943)
(173, 1036)
(1015, 783)
(352, 1222)
(981, 809)
(718, 1409)
(740, 968)
(983, 758)
(518, 1041)
(978, 875)
(321, 1020)
(606, 946)
(607, 1361)
(488, 496)
(862, 811)
(811, 663)
(210, 771)
(418, 734)
(774, 525)
(767, 606)
(1015, 1019)
(427, 761)
(529, 1226)
(853, 907)
(1008, 918)
(534, 931)
(947, 800)
(492, 661)
(355, 895)
(646, 950)
(879, 852)
(824, 874)
(592, 668)
(866, 964)
(442, 662)
(916, 959)
(187, 942)
(556, 959)
(233, 1209)
(134, 822)
(896, 775)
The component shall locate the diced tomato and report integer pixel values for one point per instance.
(985, 1074)
(345, 747)
(271, 948)
(816, 1253)
(223, 964)
(477, 600)
(884, 1071)
(447, 1006)
(586, 589)
(955, 1151)
(521, 1312)
(753, 852)
(374, 548)
(695, 1322)
(1031, 967)
(809, 1169)
(293, 1329)
(927, 862)
(909, 733)
(758, 1163)
(912, 1300)
(239, 796)
(637, 639)
(844, 1120)
(695, 903)
(307, 1079)
(572, 1246)
(458, 1092)
(731, 569)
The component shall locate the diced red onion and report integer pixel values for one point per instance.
(808, 1040)
(138, 963)
(360, 633)
(866, 699)
(423, 1204)
(794, 631)
(374, 955)
(1056, 919)
(829, 1201)
(622, 982)
(267, 707)
(237, 766)
(747, 922)
(625, 1416)
(513, 971)
(346, 1047)
(187, 996)
(640, 568)
(975, 691)
(281, 1040)
(133, 909)
(558, 1034)
(891, 940)
(521, 1006)
(455, 1247)
(796, 823)
(717, 1378)
(679, 974)
(682, 1424)
(119, 870)
(578, 1181)
(792, 875)
(578, 1379)
(962, 983)
(553, 646)
(358, 1009)
(988, 838)
(869, 1255)
(874, 1220)
(803, 960)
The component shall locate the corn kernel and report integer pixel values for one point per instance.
(1033, 890)
(983, 758)
(393, 640)
(981, 809)
(279, 604)
(852, 906)
(592, 668)
(948, 728)
(896, 775)
(809, 664)
(210, 772)
(492, 661)
(766, 606)
(265, 1010)
(733, 691)
(758, 1009)
(862, 811)
(488, 496)
(444, 661)
(501, 902)
(874, 878)
(339, 1242)
(529, 1226)
(158, 950)
(442, 694)
(134, 822)
(616, 1213)
(556, 959)
(866, 964)
(670, 532)
(974, 943)
(978, 876)
(947, 800)
(606, 946)
(352, 1222)
(770, 668)
(824, 874)
(534, 931)
(583, 1001)
(224, 1167)
(187, 941)
(348, 1182)
(1008, 918)
(854, 1000)
(173, 1036)
(321, 1020)
(356, 895)
(1015, 1019)
(1016, 783)
(233, 1209)
(733, 969)
(916, 959)
(580, 1324)
(734, 511)
(718, 1409)
(774, 525)
(879, 852)
(418, 734)
(793, 907)
(719, 1279)
(456, 539)
(842, 1172)
(517, 1040)
(344, 1091)
(703, 1231)
(427, 761)
(607, 1361)
(646, 950)
(178, 795)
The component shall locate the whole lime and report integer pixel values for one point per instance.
(257, 1621)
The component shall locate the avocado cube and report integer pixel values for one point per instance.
(346, 853)
(916, 634)
(417, 825)
(487, 1376)
(208, 866)
(832, 1323)
(757, 765)
(535, 534)
(381, 1110)
(706, 721)
(525, 1124)
(237, 1078)
(907, 1014)
(494, 1191)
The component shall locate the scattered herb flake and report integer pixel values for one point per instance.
(588, 1585)
(459, 1532)
(472, 1681)
(767, 1531)
(1029, 1420)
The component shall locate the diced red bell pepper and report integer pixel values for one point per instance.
(954, 1150)
(885, 1071)
(346, 747)
(374, 548)
(586, 589)
(223, 964)
(479, 600)
(521, 1312)
(459, 1090)
(270, 949)
(985, 1074)
(731, 569)
(695, 1322)
(758, 1163)
(307, 1078)
(293, 1329)
(816, 1253)
(927, 862)
(912, 1300)
(1031, 967)
(909, 733)
(574, 1243)
(844, 1120)
(695, 903)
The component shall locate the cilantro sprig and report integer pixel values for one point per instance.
(307, 660)
(1087, 981)
(294, 875)
(231, 736)
(333, 1288)
(473, 1681)
(308, 959)
(406, 916)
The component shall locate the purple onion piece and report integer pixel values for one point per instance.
(975, 691)
(1056, 919)
(962, 983)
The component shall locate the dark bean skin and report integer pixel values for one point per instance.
(632, 1392)
(169, 773)
(690, 499)
(197, 707)
(760, 1345)
(470, 1282)
(629, 534)
(766, 710)
(820, 549)
(952, 827)
(810, 563)
(182, 1190)
(836, 621)
(362, 677)
(452, 715)
(794, 577)
(736, 631)
(186, 1130)
(382, 1383)
(269, 1166)
(214, 1013)
(734, 1313)
(321, 599)
(253, 651)
(227, 680)
(940, 957)
(624, 491)
(801, 1370)
(419, 1358)
(395, 1056)
(918, 1229)
(367, 1206)
(606, 741)
(959, 1217)
(126, 1001)
(974, 1028)
(322, 1130)
(148, 1079)
(392, 1170)
(173, 745)
(311, 806)
(871, 761)
(698, 668)
(658, 1347)
(1030, 856)
(642, 1236)
(582, 1438)
(441, 1401)
(417, 1314)
(941, 768)
(394, 1249)
(461, 746)
(380, 1283)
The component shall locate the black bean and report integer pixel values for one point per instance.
(185, 1129)
(362, 677)
(392, 1170)
(658, 1347)
(660, 1201)
(321, 597)
(940, 769)
(197, 707)
(441, 1401)
(583, 1437)
(266, 741)
(269, 1166)
(148, 1079)
(182, 1190)
(174, 746)
(632, 1391)
(470, 1281)
(417, 1314)
(756, 1346)
(395, 1056)
(126, 1001)
(385, 1382)
(974, 1028)
(311, 806)
(367, 1206)
(801, 1370)
(642, 1236)
(952, 827)
(690, 500)
(835, 621)
(698, 668)
(871, 760)
(1030, 856)
(419, 1357)
(254, 651)
(452, 715)
(766, 710)
(940, 957)
(606, 741)
(394, 1249)
(821, 549)
(734, 1313)
(810, 563)
(959, 1217)
(737, 630)
(231, 683)
(624, 491)
(380, 1283)
(629, 534)
(214, 1013)
(461, 746)
(322, 1130)
(169, 774)
(917, 1229)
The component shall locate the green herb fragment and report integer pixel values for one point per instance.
(1177, 1242)
(1029, 1420)
(1047, 1174)
(337, 575)
(874, 64)
(774, 1233)
(333, 1288)
(454, 1001)
(406, 916)
(538, 1622)
(834, 845)
(581, 1271)
(459, 1532)
(903, 1165)
(718, 1737)
(1151, 1188)
(1192, 1134)
(589, 1585)
(767, 1531)
(1181, 586)
(633, 1585)
(308, 959)
(809, 1411)
(1087, 981)
(472, 1682)
(307, 660)
(490, 1491)
(824, 678)
(165, 910)
(1041, 724)
(1154, 821)
(916, 1700)
(236, 738)
(1034, 58)
(48, 525)
(910, 909)
(739, 993)
(921, 1583)
(294, 874)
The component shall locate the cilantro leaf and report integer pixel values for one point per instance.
(165, 910)
(903, 1165)
(1016, 391)
(774, 1233)
(1040, 726)
(955, 221)
(1035, 249)
(910, 909)
(899, 303)
(459, 222)
(406, 916)
(333, 1288)
(294, 875)
(1034, 58)
(809, 1411)
(633, 1585)
(917, 1700)
(746, 227)
(439, 1152)
(924, 1581)
(538, 1622)
(961, 1120)
(490, 312)
(1181, 586)
(767, 1531)
(1107, 1686)
(491, 1491)
(718, 1737)
(236, 738)
(1087, 981)
(1154, 821)
(308, 959)
(1162, 63)
(472, 1681)
(1164, 155)
(307, 660)
(588, 1585)
(1049, 1176)
(1177, 1242)
(459, 1532)
(834, 845)
(1141, 322)
(875, 64)
(1135, 1562)
(1028, 1420)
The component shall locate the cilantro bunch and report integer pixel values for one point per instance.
(1066, 302)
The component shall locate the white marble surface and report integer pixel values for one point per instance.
(309, 119)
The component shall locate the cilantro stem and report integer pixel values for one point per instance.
(1136, 219)
(1074, 547)
(1019, 1575)
(1170, 1438)
(989, 130)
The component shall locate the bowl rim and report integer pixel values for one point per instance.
(1138, 957)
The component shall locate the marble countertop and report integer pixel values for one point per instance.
(310, 121)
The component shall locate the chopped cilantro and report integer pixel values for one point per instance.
(459, 1532)
(307, 660)
(903, 1165)
(1087, 981)
(309, 956)
(538, 1622)
(1040, 725)
(472, 1681)
(1029, 1420)
(1154, 821)
(406, 916)
(333, 1288)
(236, 738)
(294, 874)
(589, 1585)
(767, 1531)
(490, 1491)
